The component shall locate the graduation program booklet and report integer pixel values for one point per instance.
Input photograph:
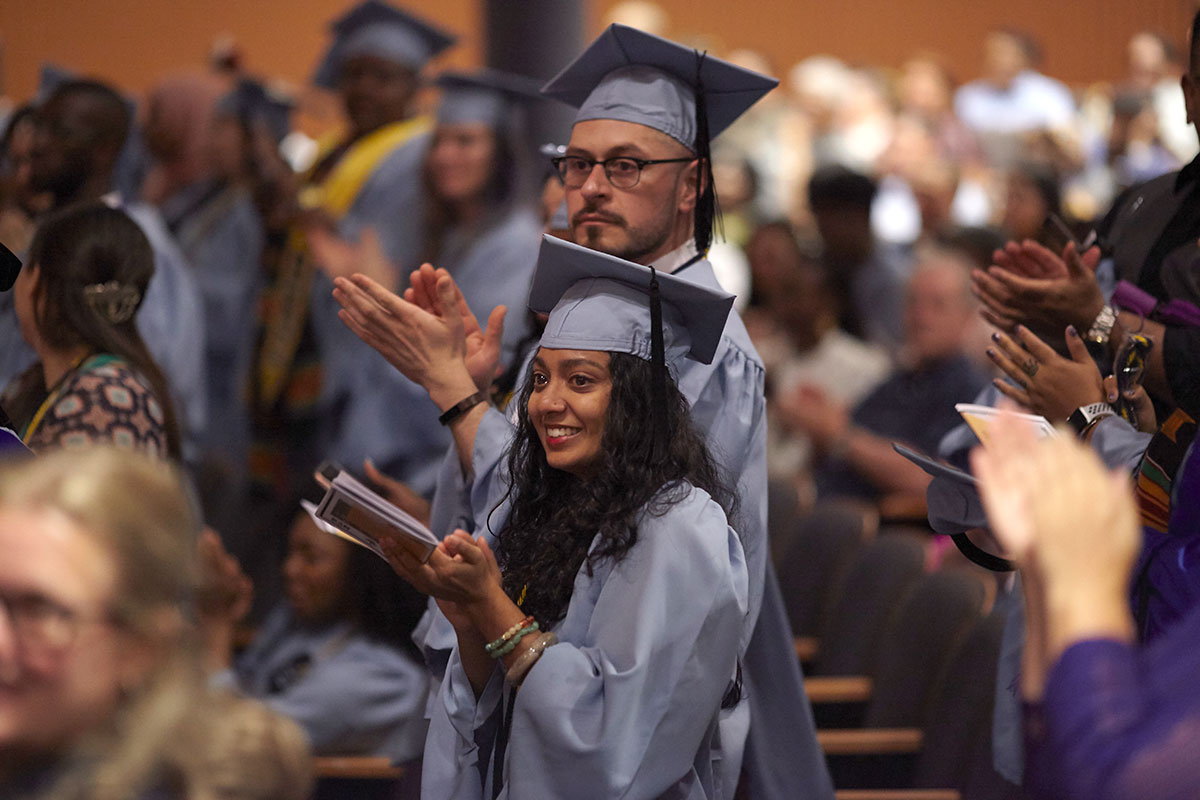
(361, 515)
(980, 418)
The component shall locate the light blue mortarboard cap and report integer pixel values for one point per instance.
(377, 29)
(633, 76)
(486, 96)
(600, 302)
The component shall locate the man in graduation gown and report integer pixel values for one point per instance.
(639, 186)
(318, 392)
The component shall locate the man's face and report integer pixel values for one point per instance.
(639, 224)
(64, 143)
(375, 92)
(938, 310)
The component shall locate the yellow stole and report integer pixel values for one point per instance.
(286, 305)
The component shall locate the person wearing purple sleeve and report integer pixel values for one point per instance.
(1104, 718)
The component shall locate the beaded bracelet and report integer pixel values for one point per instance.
(508, 647)
(508, 634)
(521, 667)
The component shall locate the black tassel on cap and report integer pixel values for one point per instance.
(707, 210)
(658, 388)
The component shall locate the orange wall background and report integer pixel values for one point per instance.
(134, 42)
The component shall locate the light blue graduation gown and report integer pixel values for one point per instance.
(494, 267)
(379, 413)
(626, 705)
(357, 696)
(728, 406)
(171, 321)
(222, 240)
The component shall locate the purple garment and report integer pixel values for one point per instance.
(1117, 722)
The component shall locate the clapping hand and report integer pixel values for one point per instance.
(482, 344)
(429, 349)
(1032, 285)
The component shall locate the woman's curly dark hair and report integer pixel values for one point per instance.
(555, 515)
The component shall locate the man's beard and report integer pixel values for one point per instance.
(638, 243)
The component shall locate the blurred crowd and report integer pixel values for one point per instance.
(899, 241)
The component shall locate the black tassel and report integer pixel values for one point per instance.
(658, 359)
(707, 210)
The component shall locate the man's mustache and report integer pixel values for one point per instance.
(604, 216)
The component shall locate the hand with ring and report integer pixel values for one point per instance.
(1046, 383)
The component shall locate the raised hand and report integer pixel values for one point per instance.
(428, 349)
(1031, 285)
(1071, 525)
(482, 344)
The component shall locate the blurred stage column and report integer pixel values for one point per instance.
(536, 38)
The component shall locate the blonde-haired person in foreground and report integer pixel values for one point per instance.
(1105, 718)
(101, 691)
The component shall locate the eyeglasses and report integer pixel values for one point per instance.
(43, 628)
(622, 172)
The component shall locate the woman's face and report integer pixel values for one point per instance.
(461, 161)
(568, 407)
(63, 661)
(25, 303)
(315, 572)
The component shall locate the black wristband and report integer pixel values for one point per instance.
(461, 407)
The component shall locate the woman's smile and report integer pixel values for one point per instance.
(568, 406)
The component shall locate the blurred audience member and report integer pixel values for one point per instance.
(95, 380)
(867, 275)
(81, 129)
(253, 753)
(808, 349)
(915, 406)
(1031, 196)
(336, 656)
(1155, 67)
(1012, 97)
(926, 90)
(100, 683)
(1136, 152)
(19, 203)
(199, 183)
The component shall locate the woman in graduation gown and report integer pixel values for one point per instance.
(481, 225)
(480, 219)
(598, 644)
